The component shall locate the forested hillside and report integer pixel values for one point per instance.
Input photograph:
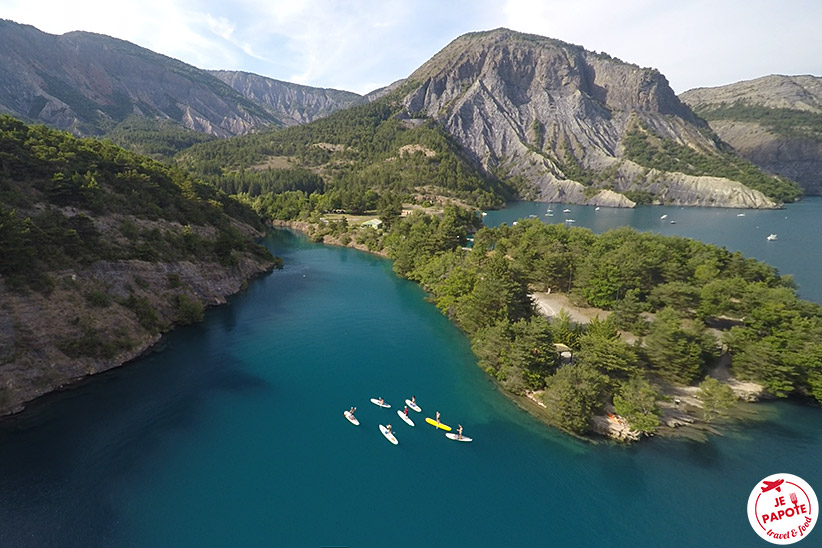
(100, 251)
(684, 303)
(348, 161)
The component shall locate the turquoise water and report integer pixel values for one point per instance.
(232, 434)
(797, 250)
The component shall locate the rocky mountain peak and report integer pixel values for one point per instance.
(557, 115)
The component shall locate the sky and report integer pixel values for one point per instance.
(363, 45)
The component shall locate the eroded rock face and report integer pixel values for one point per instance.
(796, 156)
(539, 108)
(86, 83)
(292, 104)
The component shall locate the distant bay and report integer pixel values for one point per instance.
(798, 227)
(232, 434)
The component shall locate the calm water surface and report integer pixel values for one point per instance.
(233, 435)
(797, 250)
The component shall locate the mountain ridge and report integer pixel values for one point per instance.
(774, 121)
(88, 83)
(531, 106)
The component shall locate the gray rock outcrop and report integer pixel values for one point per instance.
(796, 154)
(549, 111)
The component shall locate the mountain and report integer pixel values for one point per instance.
(774, 121)
(102, 250)
(292, 104)
(89, 84)
(580, 126)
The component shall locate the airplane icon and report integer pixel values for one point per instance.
(773, 485)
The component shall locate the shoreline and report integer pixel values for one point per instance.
(680, 413)
(29, 380)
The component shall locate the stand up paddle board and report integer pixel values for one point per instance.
(412, 405)
(440, 425)
(402, 415)
(375, 401)
(455, 437)
(351, 418)
(388, 435)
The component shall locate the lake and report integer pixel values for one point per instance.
(798, 228)
(232, 434)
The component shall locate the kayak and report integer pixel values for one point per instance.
(455, 437)
(412, 405)
(351, 418)
(440, 425)
(375, 401)
(388, 435)
(407, 420)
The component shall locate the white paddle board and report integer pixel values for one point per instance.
(407, 420)
(351, 418)
(455, 437)
(388, 435)
(375, 401)
(412, 405)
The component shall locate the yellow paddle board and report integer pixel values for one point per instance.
(432, 422)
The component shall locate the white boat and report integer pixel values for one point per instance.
(596, 208)
(740, 214)
(570, 221)
(771, 237)
(388, 435)
(566, 211)
(664, 216)
(484, 214)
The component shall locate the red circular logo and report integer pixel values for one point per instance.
(783, 509)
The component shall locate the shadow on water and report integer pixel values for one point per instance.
(51, 458)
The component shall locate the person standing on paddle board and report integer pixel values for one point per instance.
(438, 419)
(406, 410)
(459, 431)
(388, 428)
(382, 402)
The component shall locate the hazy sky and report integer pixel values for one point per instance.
(366, 44)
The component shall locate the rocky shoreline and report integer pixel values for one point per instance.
(87, 324)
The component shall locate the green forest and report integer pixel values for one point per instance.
(43, 172)
(684, 301)
(649, 150)
(787, 122)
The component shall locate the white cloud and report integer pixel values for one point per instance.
(361, 45)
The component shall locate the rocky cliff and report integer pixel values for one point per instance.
(291, 104)
(101, 251)
(558, 116)
(774, 121)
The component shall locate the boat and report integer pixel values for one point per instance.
(439, 425)
(382, 403)
(484, 214)
(388, 435)
(532, 216)
(412, 405)
(405, 417)
(771, 237)
(664, 216)
(740, 214)
(596, 208)
(351, 418)
(673, 222)
(456, 437)
(549, 214)
(570, 221)
(566, 211)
